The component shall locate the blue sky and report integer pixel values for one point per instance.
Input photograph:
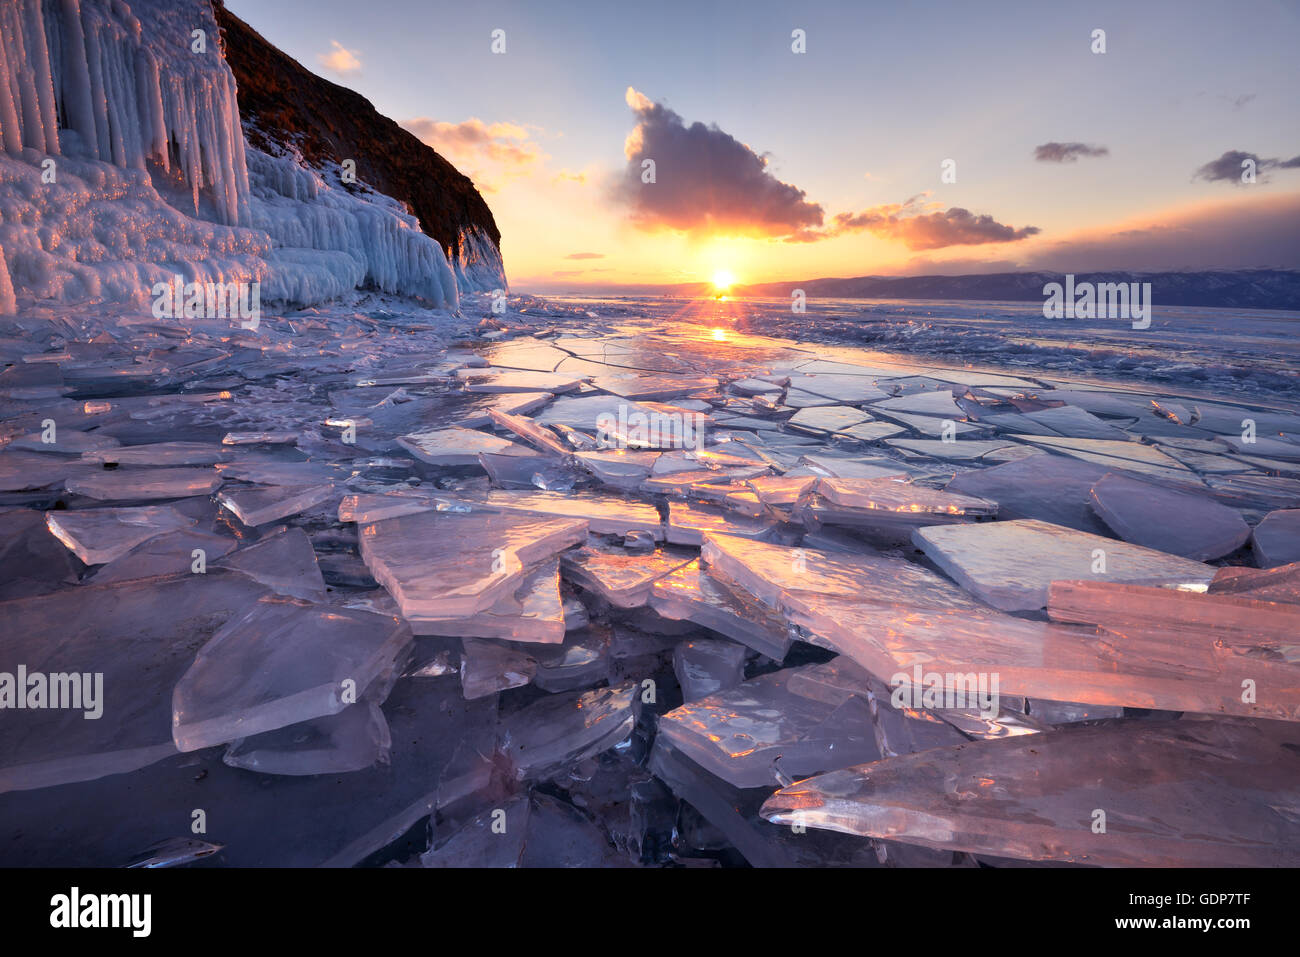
(861, 121)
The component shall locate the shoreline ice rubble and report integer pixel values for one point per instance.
(354, 580)
(153, 176)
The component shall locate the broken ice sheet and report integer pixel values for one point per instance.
(1175, 794)
(821, 420)
(356, 737)
(171, 553)
(285, 562)
(160, 454)
(890, 615)
(487, 667)
(1145, 460)
(624, 578)
(1167, 519)
(886, 507)
(441, 565)
(258, 506)
(513, 380)
(1051, 488)
(457, 446)
(1210, 632)
(563, 729)
(580, 662)
(964, 450)
(655, 386)
(143, 484)
(687, 593)
(141, 636)
(1276, 539)
(260, 438)
(733, 812)
(98, 535)
(620, 468)
(938, 403)
(1273, 584)
(64, 441)
(746, 733)
(705, 666)
(605, 514)
(1011, 564)
(688, 523)
(533, 613)
(281, 663)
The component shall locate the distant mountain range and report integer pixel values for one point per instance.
(1234, 289)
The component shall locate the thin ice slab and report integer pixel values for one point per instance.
(1276, 539)
(446, 565)
(457, 446)
(1174, 794)
(124, 646)
(258, 506)
(564, 729)
(281, 663)
(144, 484)
(624, 578)
(1010, 565)
(98, 535)
(688, 594)
(753, 733)
(534, 612)
(1167, 519)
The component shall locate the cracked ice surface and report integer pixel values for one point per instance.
(383, 571)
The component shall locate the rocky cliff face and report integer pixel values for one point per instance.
(281, 102)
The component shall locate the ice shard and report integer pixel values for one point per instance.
(281, 663)
(441, 565)
(259, 506)
(1169, 793)
(622, 577)
(99, 535)
(1167, 519)
(753, 733)
(562, 729)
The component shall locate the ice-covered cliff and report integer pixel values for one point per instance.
(124, 162)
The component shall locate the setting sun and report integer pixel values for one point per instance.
(723, 280)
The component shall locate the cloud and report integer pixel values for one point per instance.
(1067, 152)
(340, 59)
(568, 176)
(1228, 167)
(706, 181)
(585, 256)
(917, 228)
(489, 153)
(1233, 234)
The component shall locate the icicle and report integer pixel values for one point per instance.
(75, 82)
(10, 132)
(8, 306)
